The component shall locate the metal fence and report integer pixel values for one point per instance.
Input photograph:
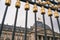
(52, 5)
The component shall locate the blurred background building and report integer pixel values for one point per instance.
(19, 35)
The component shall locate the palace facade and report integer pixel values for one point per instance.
(19, 35)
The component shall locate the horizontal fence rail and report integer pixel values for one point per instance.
(31, 2)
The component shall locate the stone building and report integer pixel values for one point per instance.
(19, 35)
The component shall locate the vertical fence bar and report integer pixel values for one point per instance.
(25, 38)
(35, 10)
(3, 20)
(14, 28)
(58, 23)
(7, 3)
(35, 27)
(57, 15)
(44, 27)
(26, 8)
(57, 18)
(50, 15)
(52, 27)
(43, 15)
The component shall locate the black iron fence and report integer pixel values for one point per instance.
(50, 7)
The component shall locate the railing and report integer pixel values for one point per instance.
(35, 10)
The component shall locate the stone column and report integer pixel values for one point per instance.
(41, 37)
(50, 38)
(4, 37)
(37, 37)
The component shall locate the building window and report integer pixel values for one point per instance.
(48, 37)
(43, 37)
(23, 37)
(18, 38)
(52, 38)
(27, 37)
(39, 37)
(1, 38)
(7, 39)
(56, 38)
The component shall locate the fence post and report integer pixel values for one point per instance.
(7, 3)
(50, 15)
(14, 28)
(26, 8)
(43, 15)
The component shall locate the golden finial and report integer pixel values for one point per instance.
(27, 5)
(49, 12)
(18, 4)
(7, 2)
(35, 9)
(58, 0)
(38, 1)
(43, 3)
(52, 5)
(56, 14)
(48, 2)
(56, 7)
(42, 10)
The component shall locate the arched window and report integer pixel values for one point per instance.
(18, 38)
(7, 39)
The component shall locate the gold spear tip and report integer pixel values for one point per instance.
(49, 12)
(48, 2)
(42, 10)
(27, 5)
(56, 14)
(7, 2)
(17, 5)
(35, 9)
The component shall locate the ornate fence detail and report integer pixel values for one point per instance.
(52, 5)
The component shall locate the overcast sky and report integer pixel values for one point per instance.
(21, 15)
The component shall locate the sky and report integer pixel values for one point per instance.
(21, 15)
